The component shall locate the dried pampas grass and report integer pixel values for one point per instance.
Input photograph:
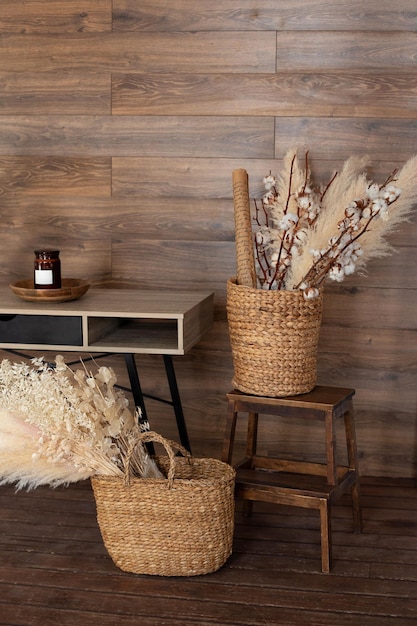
(374, 241)
(307, 233)
(58, 426)
(19, 461)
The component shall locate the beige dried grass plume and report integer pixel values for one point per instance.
(58, 426)
(306, 232)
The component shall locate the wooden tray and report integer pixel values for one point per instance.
(71, 289)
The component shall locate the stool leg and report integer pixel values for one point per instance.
(351, 439)
(326, 538)
(229, 433)
(251, 442)
(357, 509)
(354, 465)
(331, 447)
(252, 436)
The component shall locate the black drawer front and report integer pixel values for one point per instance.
(41, 329)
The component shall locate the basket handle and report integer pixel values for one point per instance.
(151, 436)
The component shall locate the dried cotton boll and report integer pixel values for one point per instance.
(391, 193)
(274, 258)
(343, 224)
(317, 255)
(355, 251)
(285, 259)
(263, 236)
(268, 198)
(300, 236)
(288, 221)
(345, 239)
(379, 206)
(373, 191)
(304, 202)
(269, 181)
(337, 273)
(352, 211)
(349, 268)
(310, 293)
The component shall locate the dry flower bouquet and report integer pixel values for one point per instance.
(302, 234)
(59, 426)
(306, 233)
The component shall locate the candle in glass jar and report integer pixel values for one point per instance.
(47, 269)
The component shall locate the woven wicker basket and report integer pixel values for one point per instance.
(274, 339)
(180, 526)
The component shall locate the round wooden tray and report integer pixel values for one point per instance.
(71, 289)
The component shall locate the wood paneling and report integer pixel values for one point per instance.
(171, 261)
(149, 52)
(331, 93)
(60, 175)
(158, 15)
(120, 125)
(383, 307)
(210, 177)
(138, 135)
(75, 93)
(98, 217)
(326, 137)
(197, 178)
(349, 50)
(59, 16)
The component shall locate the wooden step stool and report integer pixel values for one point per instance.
(298, 483)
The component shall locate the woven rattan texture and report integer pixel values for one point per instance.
(274, 338)
(185, 530)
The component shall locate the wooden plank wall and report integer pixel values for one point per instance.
(120, 124)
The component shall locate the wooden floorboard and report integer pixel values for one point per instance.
(55, 569)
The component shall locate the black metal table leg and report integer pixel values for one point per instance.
(176, 401)
(138, 396)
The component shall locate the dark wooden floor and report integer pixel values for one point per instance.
(55, 570)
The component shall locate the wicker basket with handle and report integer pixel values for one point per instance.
(179, 526)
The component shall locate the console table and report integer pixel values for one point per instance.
(112, 321)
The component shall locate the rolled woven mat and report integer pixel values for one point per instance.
(246, 274)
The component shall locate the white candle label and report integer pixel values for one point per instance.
(44, 277)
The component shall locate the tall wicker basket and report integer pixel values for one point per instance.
(274, 338)
(179, 526)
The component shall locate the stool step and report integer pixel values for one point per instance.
(288, 466)
(279, 487)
